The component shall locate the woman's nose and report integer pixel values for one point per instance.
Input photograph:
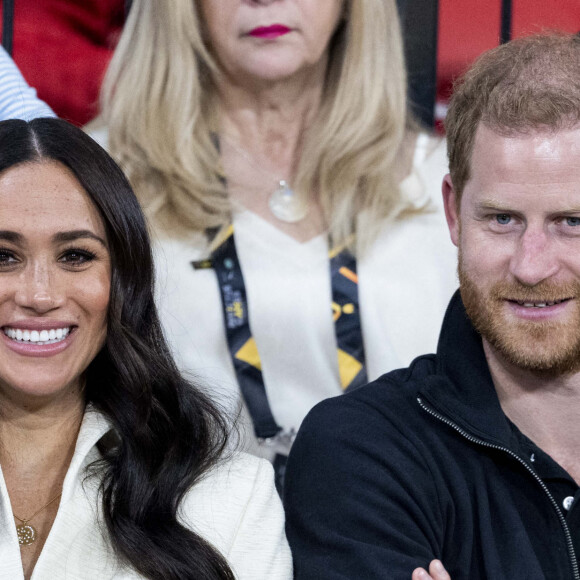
(40, 289)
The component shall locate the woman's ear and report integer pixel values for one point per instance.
(451, 204)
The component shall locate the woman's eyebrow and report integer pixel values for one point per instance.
(10, 236)
(73, 235)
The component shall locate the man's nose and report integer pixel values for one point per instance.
(535, 258)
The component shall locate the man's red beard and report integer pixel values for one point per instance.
(543, 347)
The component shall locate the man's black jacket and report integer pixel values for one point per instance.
(424, 464)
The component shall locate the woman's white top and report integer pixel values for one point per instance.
(405, 282)
(235, 508)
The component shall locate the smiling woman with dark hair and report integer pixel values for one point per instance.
(113, 465)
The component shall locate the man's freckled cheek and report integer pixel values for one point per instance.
(481, 254)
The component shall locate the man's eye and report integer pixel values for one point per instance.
(573, 221)
(503, 218)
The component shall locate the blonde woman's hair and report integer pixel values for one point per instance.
(157, 102)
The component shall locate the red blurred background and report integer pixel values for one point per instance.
(63, 46)
(469, 27)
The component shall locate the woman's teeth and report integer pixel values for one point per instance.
(38, 337)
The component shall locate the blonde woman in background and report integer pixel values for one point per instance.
(301, 248)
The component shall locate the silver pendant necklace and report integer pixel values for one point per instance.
(283, 202)
(286, 205)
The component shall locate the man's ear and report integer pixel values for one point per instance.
(451, 209)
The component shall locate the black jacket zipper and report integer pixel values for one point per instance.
(466, 435)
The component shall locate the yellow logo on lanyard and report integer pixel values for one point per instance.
(237, 309)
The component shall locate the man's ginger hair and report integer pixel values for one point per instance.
(528, 84)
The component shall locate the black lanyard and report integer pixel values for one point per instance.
(242, 345)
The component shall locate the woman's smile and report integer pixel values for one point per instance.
(54, 280)
(42, 338)
(37, 337)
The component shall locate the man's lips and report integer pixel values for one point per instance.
(537, 303)
(272, 31)
(539, 309)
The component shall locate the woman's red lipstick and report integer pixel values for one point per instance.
(268, 32)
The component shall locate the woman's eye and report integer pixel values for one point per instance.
(7, 258)
(76, 257)
(573, 221)
(503, 218)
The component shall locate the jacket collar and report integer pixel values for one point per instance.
(93, 427)
(462, 388)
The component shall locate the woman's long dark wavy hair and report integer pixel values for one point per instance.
(168, 433)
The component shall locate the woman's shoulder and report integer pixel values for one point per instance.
(239, 475)
(421, 185)
(99, 131)
(236, 508)
(431, 155)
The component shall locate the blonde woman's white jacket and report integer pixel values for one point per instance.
(406, 279)
(235, 508)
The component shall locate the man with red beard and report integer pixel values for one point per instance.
(471, 456)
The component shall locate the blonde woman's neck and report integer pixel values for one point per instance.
(271, 117)
(261, 131)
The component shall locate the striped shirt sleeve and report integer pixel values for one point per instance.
(17, 99)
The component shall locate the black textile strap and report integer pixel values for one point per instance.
(241, 343)
(8, 25)
(347, 322)
(419, 24)
(506, 21)
(280, 472)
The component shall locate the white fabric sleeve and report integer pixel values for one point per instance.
(260, 550)
(17, 99)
